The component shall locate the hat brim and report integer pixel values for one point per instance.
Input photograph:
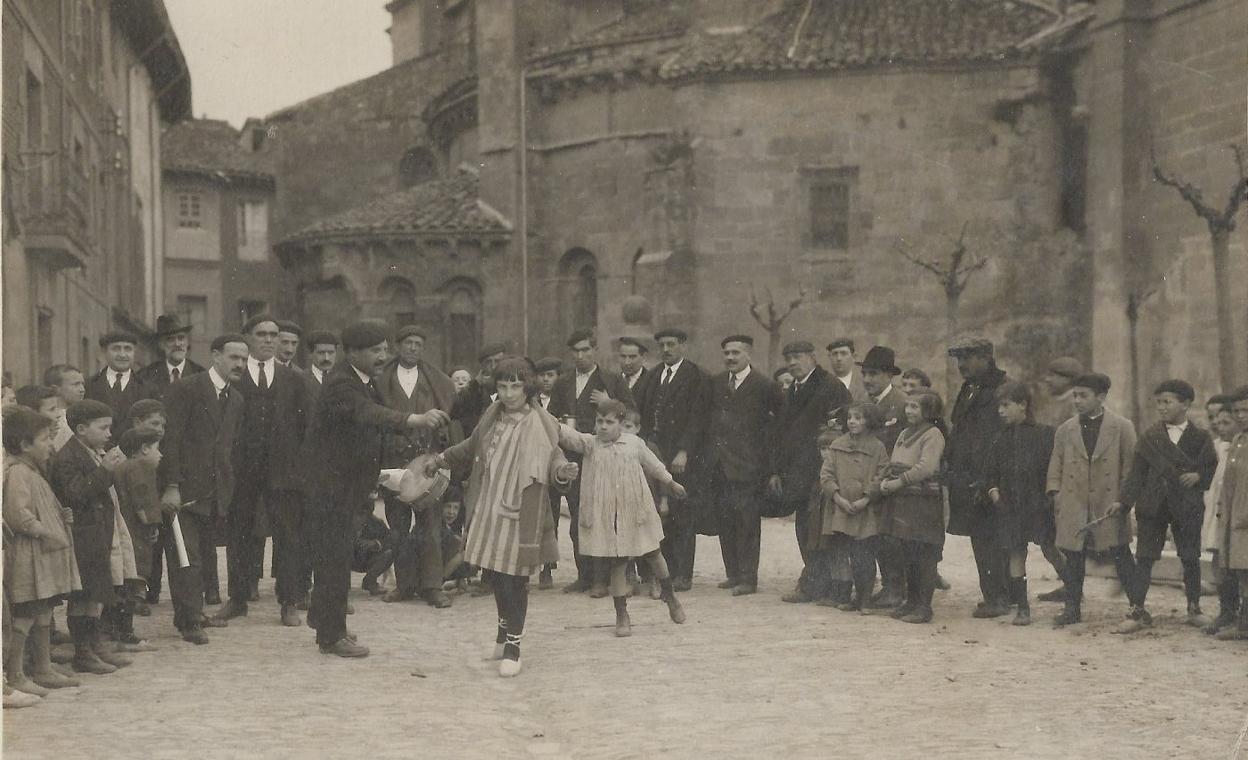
(179, 331)
(890, 370)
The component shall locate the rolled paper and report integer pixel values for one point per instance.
(180, 543)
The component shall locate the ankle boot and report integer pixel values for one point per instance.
(40, 643)
(623, 626)
(674, 608)
(101, 650)
(85, 659)
(14, 671)
(1237, 632)
(1073, 612)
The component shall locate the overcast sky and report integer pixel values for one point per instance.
(253, 57)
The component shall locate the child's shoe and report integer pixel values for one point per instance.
(1196, 618)
(509, 668)
(675, 609)
(1137, 620)
(1022, 617)
(545, 581)
(623, 626)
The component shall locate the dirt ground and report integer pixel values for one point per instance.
(744, 678)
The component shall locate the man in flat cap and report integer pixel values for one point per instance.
(118, 384)
(342, 459)
(573, 400)
(471, 402)
(743, 406)
(174, 336)
(673, 407)
(277, 402)
(813, 397)
(975, 423)
(410, 384)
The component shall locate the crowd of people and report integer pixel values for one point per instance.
(375, 461)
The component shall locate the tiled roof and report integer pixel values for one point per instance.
(833, 34)
(440, 207)
(643, 20)
(210, 146)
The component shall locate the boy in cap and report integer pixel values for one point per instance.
(1173, 467)
(1095, 447)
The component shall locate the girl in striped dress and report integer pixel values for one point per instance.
(618, 518)
(514, 456)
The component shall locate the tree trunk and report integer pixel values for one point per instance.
(773, 349)
(1133, 353)
(1222, 297)
(953, 380)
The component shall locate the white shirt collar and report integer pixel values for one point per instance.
(847, 378)
(181, 368)
(412, 370)
(587, 374)
(270, 369)
(675, 367)
(363, 377)
(218, 382)
(1181, 426)
(887, 390)
(804, 379)
(113, 374)
(740, 376)
(318, 374)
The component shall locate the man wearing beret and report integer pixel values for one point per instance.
(118, 384)
(410, 384)
(673, 407)
(743, 405)
(275, 414)
(342, 459)
(795, 460)
(289, 333)
(323, 347)
(975, 423)
(573, 399)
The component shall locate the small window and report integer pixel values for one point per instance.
(416, 167)
(253, 230)
(194, 311)
(189, 216)
(829, 215)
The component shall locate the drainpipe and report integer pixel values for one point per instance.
(523, 148)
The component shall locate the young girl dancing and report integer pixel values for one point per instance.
(618, 518)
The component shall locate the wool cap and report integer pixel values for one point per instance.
(548, 364)
(407, 331)
(322, 338)
(971, 344)
(118, 336)
(1093, 381)
(87, 410)
(1066, 366)
(289, 326)
(798, 347)
(364, 334)
(218, 343)
(746, 339)
(629, 340)
(251, 324)
(491, 349)
(672, 332)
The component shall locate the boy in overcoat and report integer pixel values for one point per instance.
(1092, 455)
(1173, 467)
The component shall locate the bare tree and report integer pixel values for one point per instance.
(954, 272)
(773, 320)
(1221, 223)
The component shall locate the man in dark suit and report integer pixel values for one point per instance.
(175, 341)
(342, 460)
(205, 413)
(574, 400)
(323, 347)
(813, 397)
(631, 353)
(879, 367)
(118, 384)
(471, 402)
(743, 404)
(410, 384)
(267, 460)
(672, 402)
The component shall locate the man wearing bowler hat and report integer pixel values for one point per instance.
(879, 367)
(342, 459)
(974, 425)
(743, 404)
(174, 336)
(795, 460)
(118, 384)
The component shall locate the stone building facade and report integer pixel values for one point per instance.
(629, 164)
(218, 199)
(88, 87)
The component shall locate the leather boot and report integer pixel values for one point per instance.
(623, 626)
(40, 643)
(1237, 632)
(85, 659)
(102, 651)
(1072, 613)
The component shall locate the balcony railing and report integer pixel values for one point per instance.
(53, 197)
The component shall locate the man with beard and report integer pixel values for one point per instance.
(795, 462)
(175, 342)
(341, 457)
(205, 413)
(975, 424)
(410, 384)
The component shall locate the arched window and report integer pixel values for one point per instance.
(416, 166)
(400, 297)
(463, 324)
(578, 297)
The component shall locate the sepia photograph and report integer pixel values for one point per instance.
(605, 379)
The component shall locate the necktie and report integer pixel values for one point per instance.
(264, 381)
(223, 396)
(117, 383)
(734, 382)
(667, 375)
(174, 374)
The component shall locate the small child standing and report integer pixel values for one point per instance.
(1172, 468)
(547, 375)
(632, 424)
(618, 518)
(854, 465)
(914, 509)
(1017, 467)
(39, 566)
(1222, 422)
(138, 496)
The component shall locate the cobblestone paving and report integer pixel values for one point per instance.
(744, 678)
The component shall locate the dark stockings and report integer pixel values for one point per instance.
(511, 596)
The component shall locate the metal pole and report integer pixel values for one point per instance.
(523, 148)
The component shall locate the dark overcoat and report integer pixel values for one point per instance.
(1153, 486)
(975, 424)
(794, 448)
(1018, 467)
(155, 376)
(82, 484)
(199, 443)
